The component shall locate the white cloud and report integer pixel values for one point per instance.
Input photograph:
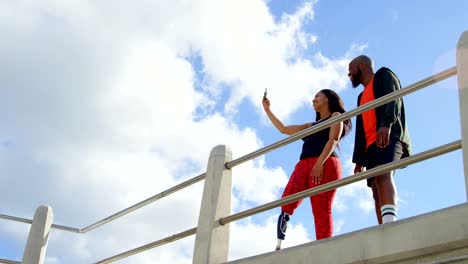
(105, 109)
(248, 238)
(313, 39)
(257, 184)
(444, 61)
(338, 226)
(353, 196)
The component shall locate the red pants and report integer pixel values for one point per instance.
(301, 179)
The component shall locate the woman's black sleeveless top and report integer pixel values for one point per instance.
(314, 144)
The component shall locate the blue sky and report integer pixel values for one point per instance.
(105, 104)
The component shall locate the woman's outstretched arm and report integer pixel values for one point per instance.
(288, 130)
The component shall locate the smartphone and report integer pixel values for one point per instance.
(265, 94)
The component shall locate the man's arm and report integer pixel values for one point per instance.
(359, 139)
(391, 111)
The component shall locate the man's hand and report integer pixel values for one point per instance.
(358, 168)
(383, 137)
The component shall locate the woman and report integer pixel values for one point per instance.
(318, 164)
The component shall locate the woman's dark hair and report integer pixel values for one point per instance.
(335, 105)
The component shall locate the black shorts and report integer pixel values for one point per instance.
(376, 156)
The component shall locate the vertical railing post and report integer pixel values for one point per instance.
(36, 247)
(462, 75)
(212, 239)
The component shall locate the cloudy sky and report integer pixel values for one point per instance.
(106, 103)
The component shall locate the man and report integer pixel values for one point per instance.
(381, 133)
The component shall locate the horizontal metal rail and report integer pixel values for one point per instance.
(29, 221)
(119, 214)
(145, 202)
(6, 261)
(149, 246)
(345, 181)
(17, 219)
(347, 115)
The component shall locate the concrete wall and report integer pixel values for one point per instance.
(438, 235)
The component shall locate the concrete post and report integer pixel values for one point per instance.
(36, 246)
(462, 75)
(212, 239)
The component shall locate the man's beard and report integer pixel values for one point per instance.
(356, 79)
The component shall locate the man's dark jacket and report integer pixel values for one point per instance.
(390, 115)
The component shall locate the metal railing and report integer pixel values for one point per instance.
(7, 261)
(149, 246)
(347, 115)
(332, 185)
(118, 214)
(346, 180)
(319, 189)
(300, 195)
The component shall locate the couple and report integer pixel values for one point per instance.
(381, 137)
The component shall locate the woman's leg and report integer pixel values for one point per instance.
(322, 203)
(322, 210)
(297, 182)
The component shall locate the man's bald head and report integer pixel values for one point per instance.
(363, 59)
(360, 70)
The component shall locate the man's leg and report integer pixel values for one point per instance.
(383, 187)
(386, 196)
(375, 194)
